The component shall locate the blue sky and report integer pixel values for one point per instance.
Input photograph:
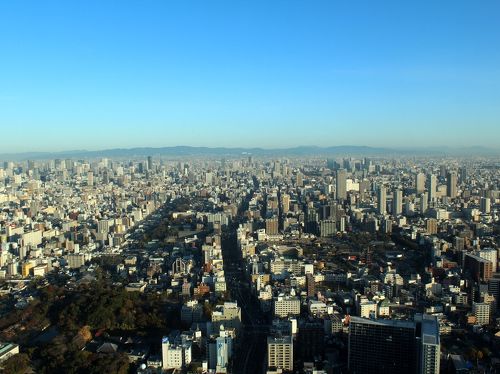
(105, 74)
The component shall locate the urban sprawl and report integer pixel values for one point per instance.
(250, 265)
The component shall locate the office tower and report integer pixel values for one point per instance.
(341, 185)
(485, 205)
(150, 163)
(478, 268)
(424, 200)
(420, 183)
(272, 226)
(382, 200)
(451, 185)
(442, 171)
(298, 180)
(285, 201)
(311, 285)
(428, 343)
(103, 226)
(90, 179)
(312, 220)
(394, 346)
(328, 228)
(482, 312)
(280, 353)
(224, 344)
(431, 226)
(459, 243)
(311, 339)
(490, 254)
(431, 187)
(397, 202)
(494, 288)
(381, 346)
(209, 178)
(462, 174)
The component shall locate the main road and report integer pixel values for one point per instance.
(251, 347)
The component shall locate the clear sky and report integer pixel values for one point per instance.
(105, 74)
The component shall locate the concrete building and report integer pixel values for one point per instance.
(175, 356)
(280, 353)
(285, 306)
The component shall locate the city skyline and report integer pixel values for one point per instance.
(100, 76)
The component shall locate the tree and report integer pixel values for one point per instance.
(17, 364)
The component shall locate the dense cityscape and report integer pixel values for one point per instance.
(250, 264)
(249, 187)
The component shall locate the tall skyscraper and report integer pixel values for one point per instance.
(420, 183)
(485, 205)
(382, 200)
(90, 179)
(451, 181)
(462, 174)
(424, 200)
(285, 202)
(341, 185)
(431, 187)
(394, 346)
(428, 344)
(150, 163)
(272, 226)
(397, 202)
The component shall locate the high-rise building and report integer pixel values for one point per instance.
(431, 187)
(394, 346)
(175, 356)
(90, 179)
(424, 200)
(485, 205)
(482, 312)
(432, 226)
(341, 185)
(328, 228)
(420, 183)
(285, 202)
(490, 254)
(462, 174)
(103, 226)
(478, 268)
(224, 344)
(299, 180)
(311, 339)
(311, 285)
(397, 202)
(451, 190)
(150, 163)
(280, 353)
(272, 226)
(382, 200)
(429, 344)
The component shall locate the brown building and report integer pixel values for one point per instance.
(272, 226)
(481, 270)
(432, 228)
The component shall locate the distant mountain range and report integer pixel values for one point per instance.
(187, 151)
